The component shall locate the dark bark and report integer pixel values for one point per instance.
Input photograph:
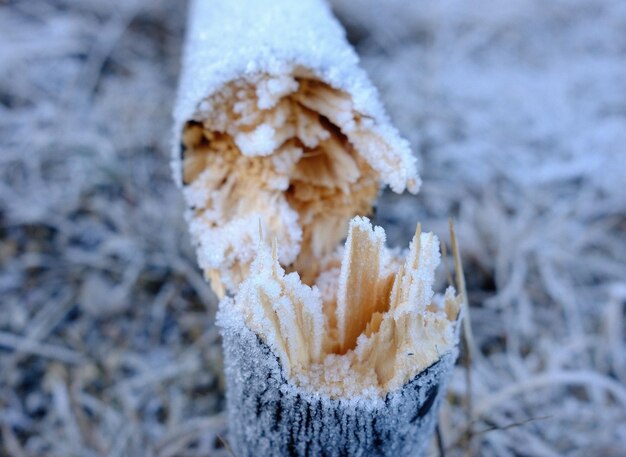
(269, 416)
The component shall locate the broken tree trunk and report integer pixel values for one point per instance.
(268, 416)
(378, 397)
(276, 121)
(328, 351)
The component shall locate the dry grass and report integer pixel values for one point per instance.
(107, 343)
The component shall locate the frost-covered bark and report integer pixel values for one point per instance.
(269, 416)
(275, 121)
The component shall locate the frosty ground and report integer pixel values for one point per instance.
(517, 111)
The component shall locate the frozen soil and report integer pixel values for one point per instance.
(518, 113)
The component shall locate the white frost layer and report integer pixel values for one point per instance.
(228, 40)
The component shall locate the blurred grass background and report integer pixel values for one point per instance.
(518, 113)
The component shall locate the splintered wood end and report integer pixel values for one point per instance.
(383, 321)
(293, 156)
(276, 167)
